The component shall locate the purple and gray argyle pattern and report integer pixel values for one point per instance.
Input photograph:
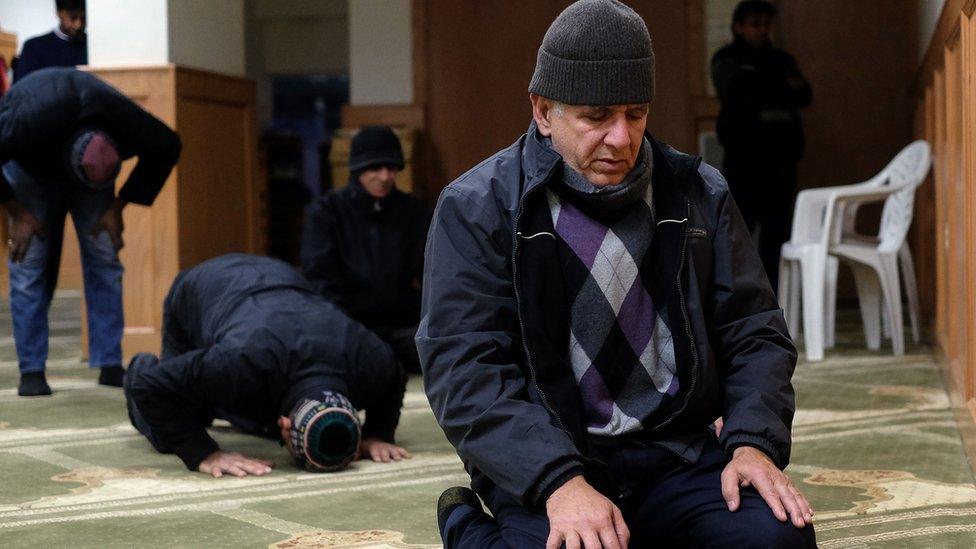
(620, 347)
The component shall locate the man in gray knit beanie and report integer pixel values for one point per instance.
(592, 305)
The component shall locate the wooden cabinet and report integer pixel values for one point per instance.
(210, 204)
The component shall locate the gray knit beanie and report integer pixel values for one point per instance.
(596, 52)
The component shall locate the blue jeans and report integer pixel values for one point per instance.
(671, 503)
(32, 282)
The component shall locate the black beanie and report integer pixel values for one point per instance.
(375, 146)
(596, 52)
(70, 5)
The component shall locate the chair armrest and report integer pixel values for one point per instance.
(841, 200)
(810, 207)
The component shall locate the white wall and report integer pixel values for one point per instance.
(207, 35)
(27, 18)
(380, 52)
(928, 17)
(123, 32)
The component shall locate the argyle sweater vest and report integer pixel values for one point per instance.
(620, 347)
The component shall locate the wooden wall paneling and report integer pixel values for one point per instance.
(944, 83)
(210, 205)
(968, 98)
(934, 53)
(215, 116)
(956, 195)
(8, 47)
(151, 236)
(942, 223)
(923, 231)
(8, 50)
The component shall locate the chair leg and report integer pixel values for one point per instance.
(783, 286)
(869, 298)
(907, 264)
(813, 298)
(891, 289)
(885, 328)
(830, 301)
(797, 287)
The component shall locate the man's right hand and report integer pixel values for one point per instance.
(583, 518)
(233, 463)
(23, 226)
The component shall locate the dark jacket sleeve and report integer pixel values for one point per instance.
(319, 255)
(140, 134)
(6, 192)
(379, 370)
(171, 395)
(470, 349)
(737, 83)
(28, 61)
(800, 87)
(755, 354)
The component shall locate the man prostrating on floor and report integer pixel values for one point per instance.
(246, 339)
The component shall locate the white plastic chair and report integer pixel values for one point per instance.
(820, 217)
(911, 164)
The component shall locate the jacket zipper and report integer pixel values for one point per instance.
(684, 312)
(518, 304)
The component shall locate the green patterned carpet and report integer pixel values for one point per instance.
(876, 449)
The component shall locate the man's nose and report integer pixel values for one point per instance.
(618, 134)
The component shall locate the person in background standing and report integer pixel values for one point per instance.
(762, 91)
(65, 46)
(63, 137)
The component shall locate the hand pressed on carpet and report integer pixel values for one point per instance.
(233, 463)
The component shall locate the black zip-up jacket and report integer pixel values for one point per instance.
(367, 255)
(760, 108)
(247, 337)
(494, 333)
(40, 113)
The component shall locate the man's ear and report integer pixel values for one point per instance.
(541, 113)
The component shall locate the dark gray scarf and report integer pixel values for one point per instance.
(612, 197)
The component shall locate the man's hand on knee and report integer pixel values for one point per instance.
(233, 463)
(582, 517)
(751, 467)
(23, 227)
(111, 222)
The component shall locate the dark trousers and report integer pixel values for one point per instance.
(32, 281)
(400, 339)
(763, 184)
(667, 502)
(201, 415)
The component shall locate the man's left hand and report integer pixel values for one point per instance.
(377, 450)
(751, 467)
(111, 222)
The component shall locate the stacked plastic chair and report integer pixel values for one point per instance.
(823, 235)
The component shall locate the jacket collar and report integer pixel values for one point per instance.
(365, 201)
(539, 164)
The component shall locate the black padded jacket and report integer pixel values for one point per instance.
(494, 333)
(40, 113)
(244, 338)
